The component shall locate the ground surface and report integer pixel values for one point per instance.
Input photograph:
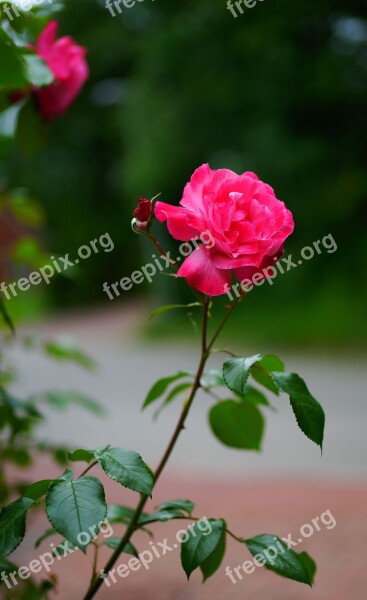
(277, 491)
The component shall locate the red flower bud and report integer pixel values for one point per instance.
(142, 212)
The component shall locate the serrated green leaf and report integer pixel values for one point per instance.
(185, 505)
(66, 476)
(261, 370)
(237, 424)
(73, 507)
(81, 455)
(201, 545)
(127, 468)
(124, 514)
(308, 412)
(167, 307)
(309, 565)
(213, 378)
(236, 372)
(37, 489)
(253, 396)
(119, 514)
(160, 386)
(282, 560)
(12, 525)
(212, 563)
(182, 387)
(114, 542)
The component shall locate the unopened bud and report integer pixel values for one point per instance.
(143, 215)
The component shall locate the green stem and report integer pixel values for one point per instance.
(89, 467)
(179, 427)
(95, 564)
(191, 518)
(224, 321)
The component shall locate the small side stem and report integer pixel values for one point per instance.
(191, 518)
(89, 467)
(95, 563)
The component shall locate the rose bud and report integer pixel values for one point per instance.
(142, 212)
(142, 215)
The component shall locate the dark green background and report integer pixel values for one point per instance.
(281, 90)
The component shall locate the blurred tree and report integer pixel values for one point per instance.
(280, 90)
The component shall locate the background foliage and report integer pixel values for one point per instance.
(280, 90)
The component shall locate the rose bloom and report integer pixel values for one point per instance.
(67, 62)
(247, 222)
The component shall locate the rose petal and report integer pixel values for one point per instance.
(203, 275)
(248, 272)
(178, 221)
(47, 38)
(192, 196)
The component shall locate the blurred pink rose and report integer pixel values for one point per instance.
(248, 223)
(67, 62)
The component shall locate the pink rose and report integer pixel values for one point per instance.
(67, 62)
(248, 223)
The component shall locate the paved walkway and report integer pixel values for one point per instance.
(243, 487)
(128, 369)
